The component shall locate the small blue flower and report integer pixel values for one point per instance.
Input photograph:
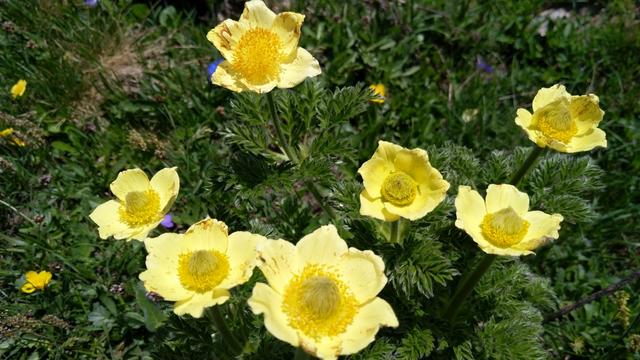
(167, 222)
(213, 66)
(483, 66)
(91, 3)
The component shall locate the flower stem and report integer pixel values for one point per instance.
(395, 237)
(316, 194)
(276, 123)
(527, 165)
(215, 316)
(466, 285)
(301, 354)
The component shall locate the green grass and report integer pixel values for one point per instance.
(122, 86)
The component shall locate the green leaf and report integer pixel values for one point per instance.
(153, 316)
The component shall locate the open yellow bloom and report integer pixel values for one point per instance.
(321, 295)
(502, 224)
(18, 88)
(399, 182)
(196, 269)
(141, 204)
(261, 51)
(381, 91)
(35, 281)
(563, 122)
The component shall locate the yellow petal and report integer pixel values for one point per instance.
(387, 151)
(257, 14)
(207, 234)
(287, 25)
(242, 255)
(42, 279)
(161, 275)
(107, 217)
(512, 251)
(264, 300)
(363, 272)
(374, 207)
(585, 111)
(548, 95)
(470, 209)
(323, 246)
(19, 88)
(588, 141)
(6, 132)
(225, 36)
(223, 76)
(278, 262)
(138, 233)
(27, 288)
(196, 305)
(366, 324)
(303, 66)
(542, 228)
(373, 173)
(129, 180)
(523, 118)
(503, 196)
(167, 184)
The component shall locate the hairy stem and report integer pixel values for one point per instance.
(467, 285)
(395, 238)
(213, 313)
(526, 166)
(301, 354)
(276, 123)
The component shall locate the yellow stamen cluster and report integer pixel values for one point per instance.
(399, 189)
(257, 56)
(555, 122)
(202, 270)
(140, 208)
(318, 303)
(504, 228)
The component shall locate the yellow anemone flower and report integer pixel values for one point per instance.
(261, 51)
(321, 296)
(563, 122)
(502, 224)
(381, 91)
(141, 204)
(196, 269)
(18, 88)
(399, 182)
(35, 281)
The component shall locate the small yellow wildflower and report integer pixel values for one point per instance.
(563, 122)
(502, 223)
(321, 294)
(35, 281)
(19, 88)
(399, 182)
(6, 132)
(196, 269)
(141, 204)
(381, 91)
(261, 51)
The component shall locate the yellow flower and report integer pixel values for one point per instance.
(141, 204)
(196, 269)
(502, 224)
(321, 295)
(261, 51)
(35, 281)
(563, 122)
(381, 91)
(6, 132)
(399, 182)
(18, 89)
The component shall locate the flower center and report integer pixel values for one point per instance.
(140, 208)
(257, 56)
(318, 303)
(202, 270)
(504, 228)
(399, 189)
(556, 123)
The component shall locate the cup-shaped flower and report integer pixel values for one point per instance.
(18, 88)
(35, 281)
(502, 224)
(563, 122)
(379, 90)
(196, 269)
(399, 182)
(322, 295)
(261, 51)
(140, 206)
